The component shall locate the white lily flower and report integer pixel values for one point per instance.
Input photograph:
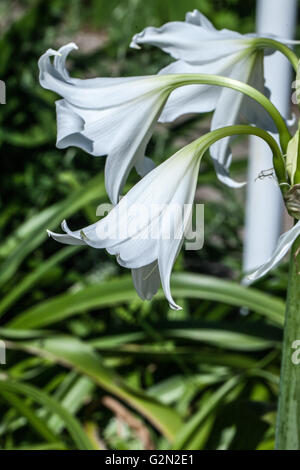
(148, 240)
(200, 48)
(106, 116)
(284, 244)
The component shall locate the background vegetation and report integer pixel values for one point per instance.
(88, 364)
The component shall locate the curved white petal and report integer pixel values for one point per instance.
(167, 257)
(144, 166)
(94, 93)
(169, 249)
(292, 120)
(197, 41)
(65, 238)
(59, 62)
(226, 114)
(146, 280)
(113, 117)
(284, 244)
(234, 107)
(128, 143)
(251, 111)
(70, 126)
(191, 42)
(116, 132)
(197, 18)
(222, 171)
(195, 98)
(149, 223)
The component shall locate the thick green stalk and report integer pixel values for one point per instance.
(288, 416)
(297, 171)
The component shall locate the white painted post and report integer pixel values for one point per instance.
(264, 206)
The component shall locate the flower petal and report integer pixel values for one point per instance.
(197, 18)
(60, 61)
(65, 238)
(93, 93)
(285, 242)
(251, 111)
(128, 143)
(229, 100)
(169, 249)
(116, 132)
(144, 166)
(191, 42)
(247, 70)
(113, 117)
(146, 280)
(195, 98)
(70, 127)
(153, 234)
(167, 257)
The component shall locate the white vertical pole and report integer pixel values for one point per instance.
(264, 206)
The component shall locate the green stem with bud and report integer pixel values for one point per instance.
(288, 416)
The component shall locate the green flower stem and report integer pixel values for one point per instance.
(278, 161)
(297, 171)
(278, 46)
(206, 79)
(288, 416)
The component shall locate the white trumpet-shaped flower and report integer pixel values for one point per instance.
(106, 116)
(199, 47)
(146, 229)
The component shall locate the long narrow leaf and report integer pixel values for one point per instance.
(244, 337)
(29, 281)
(34, 233)
(37, 423)
(117, 291)
(79, 437)
(74, 353)
(189, 429)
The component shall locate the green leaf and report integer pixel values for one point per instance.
(43, 446)
(229, 292)
(79, 437)
(252, 336)
(22, 334)
(28, 281)
(193, 355)
(80, 356)
(37, 423)
(72, 401)
(117, 291)
(226, 336)
(33, 232)
(188, 431)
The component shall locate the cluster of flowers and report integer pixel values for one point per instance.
(116, 117)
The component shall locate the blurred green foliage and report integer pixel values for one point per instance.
(205, 377)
